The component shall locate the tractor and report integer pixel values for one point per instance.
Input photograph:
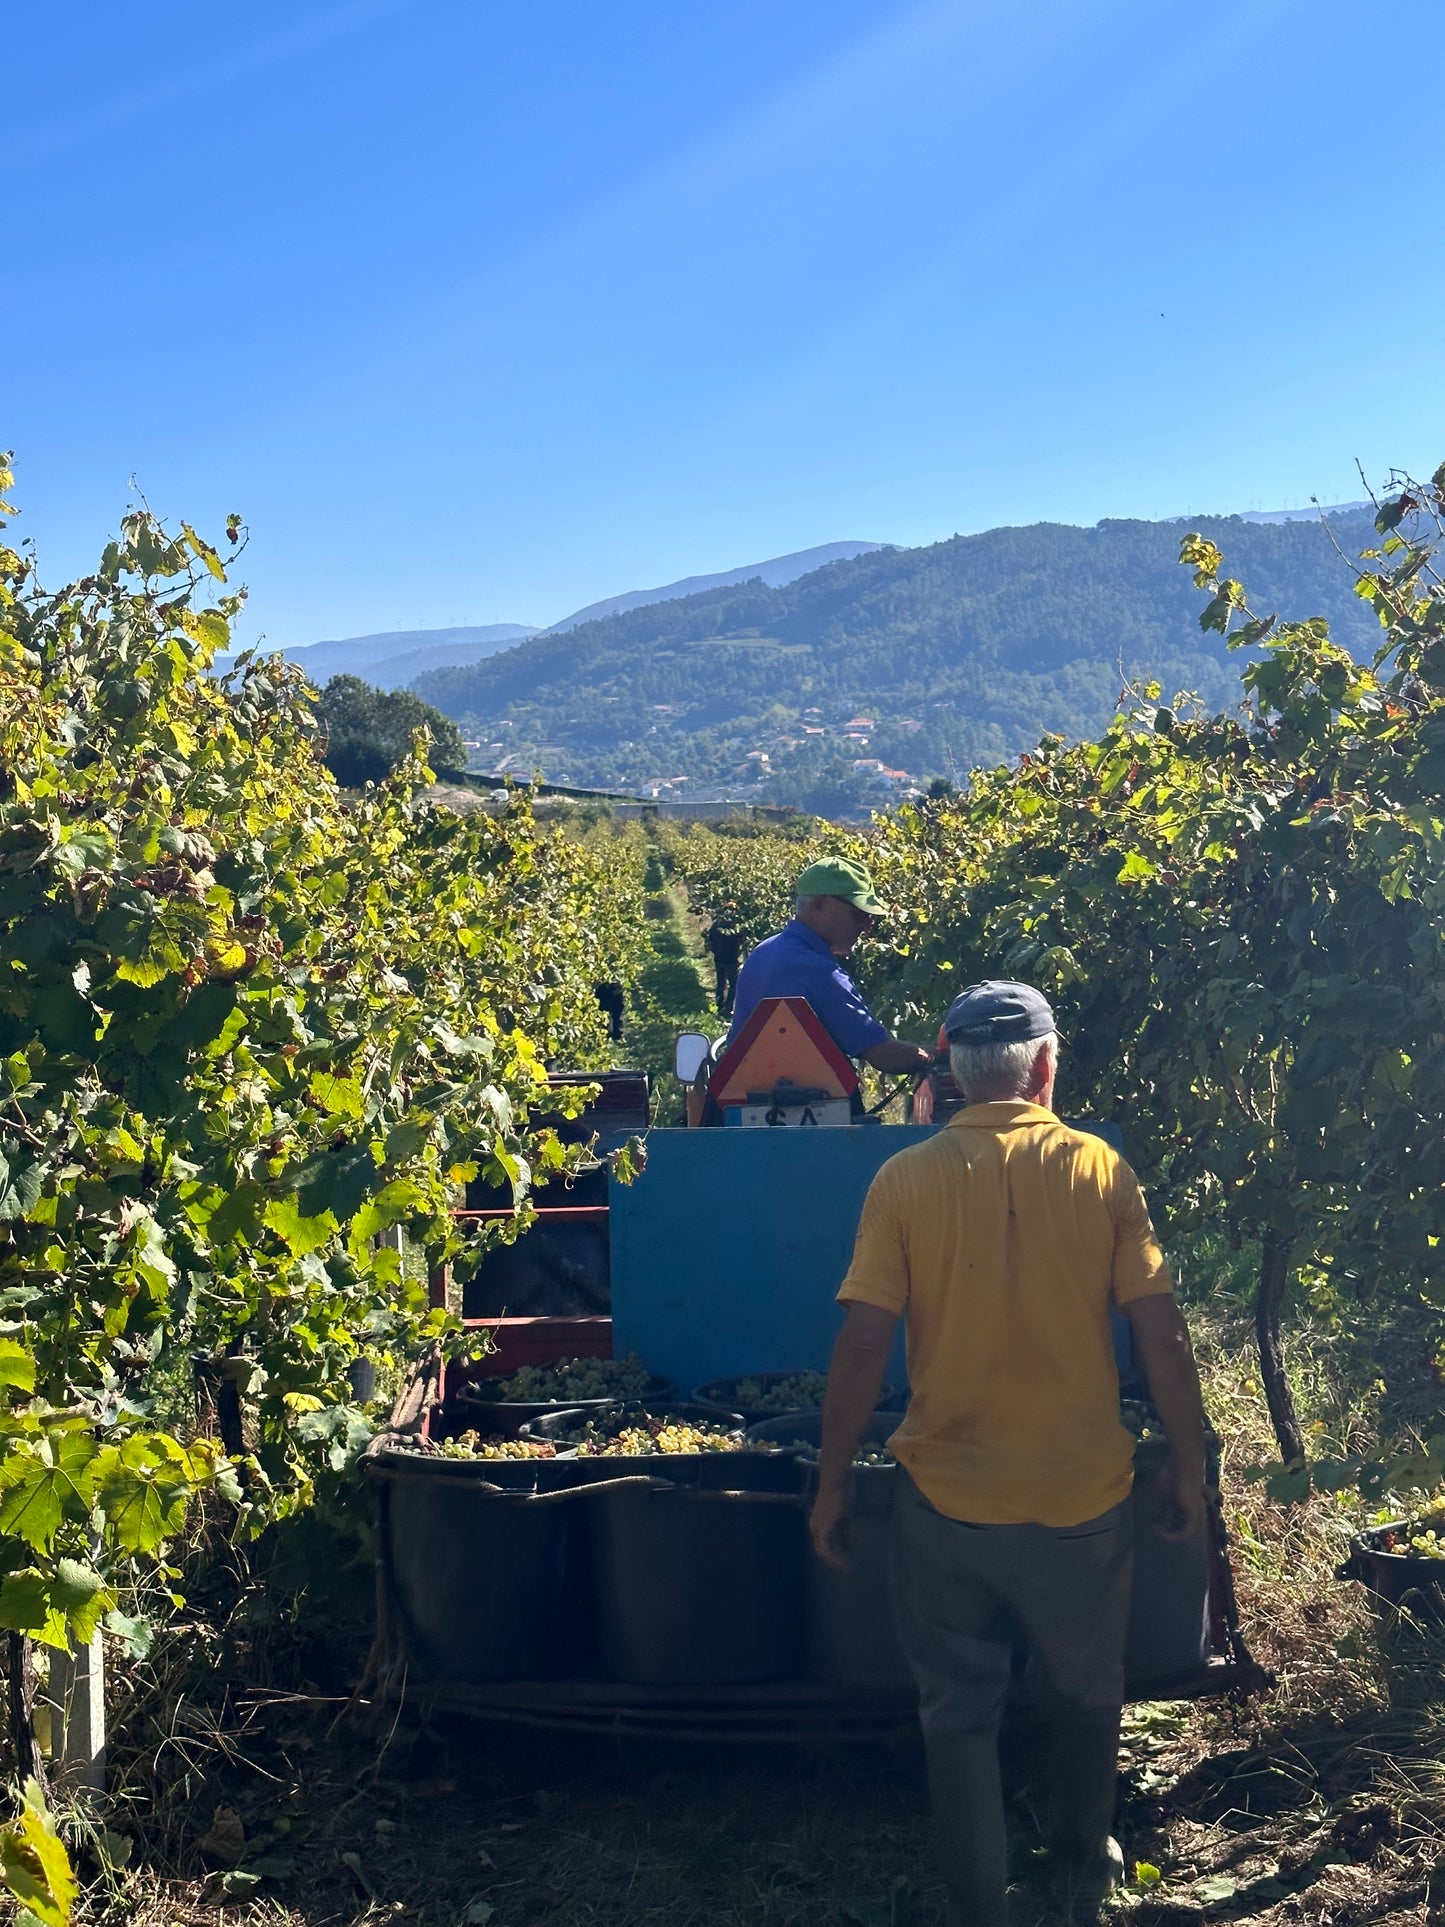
(678, 1595)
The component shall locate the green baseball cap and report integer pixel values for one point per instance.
(840, 876)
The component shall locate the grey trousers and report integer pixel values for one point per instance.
(967, 1596)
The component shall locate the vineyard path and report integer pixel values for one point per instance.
(674, 987)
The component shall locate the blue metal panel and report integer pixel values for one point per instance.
(728, 1251)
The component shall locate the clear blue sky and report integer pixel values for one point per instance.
(478, 312)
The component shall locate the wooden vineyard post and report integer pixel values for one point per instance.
(77, 1701)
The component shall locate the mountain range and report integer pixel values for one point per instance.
(881, 670)
(395, 658)
(777, 572)
(391, 660)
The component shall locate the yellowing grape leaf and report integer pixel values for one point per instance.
(299, 1233)
(17, 1366)
(34, 1866)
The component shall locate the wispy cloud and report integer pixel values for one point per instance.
(965, 58)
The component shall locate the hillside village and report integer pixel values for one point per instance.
(844, 737)
(868, 678)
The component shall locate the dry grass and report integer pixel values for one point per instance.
(1321, 1802)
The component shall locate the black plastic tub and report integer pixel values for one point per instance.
(1169, 1621)
(851, 1639)
(508, 1417)
(1404, 1585)
(720, 1395)
(485, 1564)
(695, 1586)
(851, 1636)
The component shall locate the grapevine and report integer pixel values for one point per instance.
(259, 1025)
(754, 874)
(1239, 919)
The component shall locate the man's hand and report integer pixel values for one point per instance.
(896, 1056)
(828, 1523)
(923, 1101)
(1178, 1504)
(1161, 1341)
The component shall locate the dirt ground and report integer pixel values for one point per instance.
(1226, 1818)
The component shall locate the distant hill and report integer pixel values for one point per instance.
(394, 658)
(1311, 514)
(780, 569)
(930, 661)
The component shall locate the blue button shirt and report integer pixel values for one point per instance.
(797, 963)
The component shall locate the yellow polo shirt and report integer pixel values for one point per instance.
(1001, 1241)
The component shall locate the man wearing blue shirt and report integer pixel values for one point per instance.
(836, 903)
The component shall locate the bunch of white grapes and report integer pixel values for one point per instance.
(1426, 1542)
(802, 1392)
(674, 1435)
(572, 1378)
(468, 1445)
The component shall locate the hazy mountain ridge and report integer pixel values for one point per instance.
(1311, 514)
(777, 571)
(392, 658)
(953, 655)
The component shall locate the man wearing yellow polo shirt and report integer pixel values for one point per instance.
(1002, 1242)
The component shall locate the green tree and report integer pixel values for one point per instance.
(367, 732)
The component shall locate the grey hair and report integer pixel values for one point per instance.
(805, 904)
(984, 1071)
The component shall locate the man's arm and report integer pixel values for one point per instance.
(1161, 1339)
(855, 1378)
(894, 1055)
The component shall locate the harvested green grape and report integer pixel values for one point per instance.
(469, 1445)
(569, 1378)
(644, 1436)
(800, 1392)
(1139, 1419)
(868, 1453)
(1424, 1535)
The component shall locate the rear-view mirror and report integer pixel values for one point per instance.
(689, 1054)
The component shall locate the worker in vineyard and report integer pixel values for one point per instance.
(723, 942)
(835, 904)
(1003, 1241)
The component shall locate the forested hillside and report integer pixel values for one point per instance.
(954, 655)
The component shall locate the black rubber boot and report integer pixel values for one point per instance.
(967, 1799)
(1086, 1864)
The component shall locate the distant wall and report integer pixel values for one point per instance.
(699, 811)
(623, 804)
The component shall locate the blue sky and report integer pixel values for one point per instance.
(481, 312)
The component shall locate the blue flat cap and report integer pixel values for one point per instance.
(1002, 1013)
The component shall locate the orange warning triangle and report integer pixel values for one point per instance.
(783, 1041)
